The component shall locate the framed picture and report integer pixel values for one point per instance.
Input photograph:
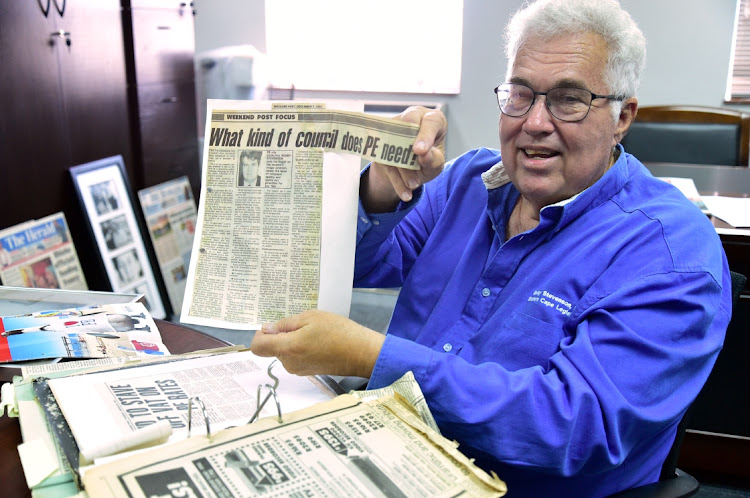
(107, 200)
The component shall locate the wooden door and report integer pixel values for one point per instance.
(93, 79)
(34, 151)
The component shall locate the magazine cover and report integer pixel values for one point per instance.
(89, 332)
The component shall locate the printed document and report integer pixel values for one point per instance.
(276, 227)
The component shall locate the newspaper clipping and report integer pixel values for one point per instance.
(170, 213)
(40, 253)
(277, 217)
(344, 447)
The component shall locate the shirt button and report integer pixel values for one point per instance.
(447, 347)
(486, 292)
(364, 220)
(375, 222)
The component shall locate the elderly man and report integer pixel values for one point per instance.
(560, 307)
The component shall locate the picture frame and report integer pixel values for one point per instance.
(107, 201)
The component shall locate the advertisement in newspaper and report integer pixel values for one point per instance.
(340, 448)
(40, 253)
(171, 214)
(135, 398)
(108, 330)
(277, 217)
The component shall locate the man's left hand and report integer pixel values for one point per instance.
(318, 342)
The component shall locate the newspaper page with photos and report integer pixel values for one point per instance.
(276, 227)
(102, 331)
(344, 447)
(170, 213)
(40, 253)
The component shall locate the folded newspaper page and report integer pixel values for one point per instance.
(276, 223)
(101, 331)
(344, 447)
(40, 253)
(407, 387)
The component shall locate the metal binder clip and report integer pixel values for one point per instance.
(271, 392)
(205, 415)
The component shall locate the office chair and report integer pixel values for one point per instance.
(690, 134)
(673, 482)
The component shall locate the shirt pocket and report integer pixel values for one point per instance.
(526, 341)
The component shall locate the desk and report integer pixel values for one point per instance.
(177, 338)
(717, 444)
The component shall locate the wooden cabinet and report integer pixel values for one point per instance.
(160, 47)
(64, 101)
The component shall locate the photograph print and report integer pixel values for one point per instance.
(105, 198)
(128, 267)
(248, 170)
(116, 232)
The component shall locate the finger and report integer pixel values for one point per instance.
(265, 345)
(397, 181)
(431, 163)
(286, 324)
(432, 128)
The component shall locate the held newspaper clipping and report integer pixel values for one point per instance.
(277, 216)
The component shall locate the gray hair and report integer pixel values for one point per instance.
(625, 41)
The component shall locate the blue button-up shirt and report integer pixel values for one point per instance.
(564, 357)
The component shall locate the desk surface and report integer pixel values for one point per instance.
(178, 339)
(731, 181)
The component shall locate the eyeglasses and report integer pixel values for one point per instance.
(564, 103)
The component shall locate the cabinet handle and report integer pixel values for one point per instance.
(65, 35)
(169, 100)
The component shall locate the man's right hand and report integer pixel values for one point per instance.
(382, 187)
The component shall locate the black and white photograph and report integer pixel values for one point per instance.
(116, 232)
(128, 267)
(105, 198)
(249, 172)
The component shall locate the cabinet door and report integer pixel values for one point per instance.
(169, 140)
(94, 83)
(163, 44)
(34, 154)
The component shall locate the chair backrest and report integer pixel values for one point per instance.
(690, 134)
(669, 468)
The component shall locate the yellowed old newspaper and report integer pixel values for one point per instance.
(276, 223)
(344, 447)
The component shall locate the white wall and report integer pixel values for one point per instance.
(689, 42)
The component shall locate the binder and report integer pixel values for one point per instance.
(77, 456)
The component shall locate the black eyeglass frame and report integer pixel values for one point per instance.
(594, 96)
